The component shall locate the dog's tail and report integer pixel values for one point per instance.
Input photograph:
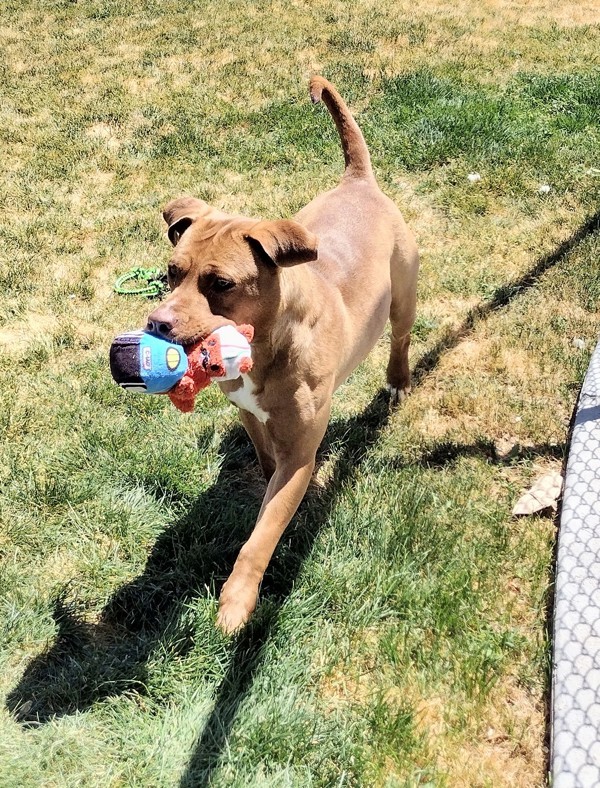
(356, 153)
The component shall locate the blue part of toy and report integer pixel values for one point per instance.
(162, 363)
(143, 362)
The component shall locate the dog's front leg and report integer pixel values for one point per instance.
(295, 451)
(284, 493)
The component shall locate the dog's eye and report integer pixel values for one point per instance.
(220, 285)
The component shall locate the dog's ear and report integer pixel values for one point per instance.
(283, 242)
(180, 213)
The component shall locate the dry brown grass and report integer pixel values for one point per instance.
(504, 747)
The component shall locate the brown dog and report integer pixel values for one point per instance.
(318, 290)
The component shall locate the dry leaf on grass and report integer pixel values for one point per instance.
(542, 495)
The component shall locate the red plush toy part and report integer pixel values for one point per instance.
(205, 362)
(183, 394)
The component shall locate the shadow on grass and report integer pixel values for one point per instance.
(502, 297)
(442, 454)
(90, 662)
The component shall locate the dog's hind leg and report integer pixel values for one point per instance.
(404, 266)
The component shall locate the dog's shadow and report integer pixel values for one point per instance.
(88, 662)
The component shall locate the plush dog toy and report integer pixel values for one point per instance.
(224, 354)
(140, 361)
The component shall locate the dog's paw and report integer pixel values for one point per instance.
(397, 395)
(236, 605)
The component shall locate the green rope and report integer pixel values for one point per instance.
(145, 282)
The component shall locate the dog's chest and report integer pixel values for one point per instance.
(245, 398)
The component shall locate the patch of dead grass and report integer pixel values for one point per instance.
(26, 332)
(504, 747)
(105, 133)
(499, 742)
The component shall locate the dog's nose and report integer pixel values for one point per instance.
(161, 322)
(162, 328)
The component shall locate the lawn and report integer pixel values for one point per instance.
(402, 636)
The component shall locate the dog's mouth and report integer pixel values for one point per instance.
(187, 340)
(179, 338)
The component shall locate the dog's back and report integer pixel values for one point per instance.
(366, 250)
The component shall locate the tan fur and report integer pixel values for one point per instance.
(318, 289)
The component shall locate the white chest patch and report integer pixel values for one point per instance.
(244, 398)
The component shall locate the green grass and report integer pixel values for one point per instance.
(401, 638)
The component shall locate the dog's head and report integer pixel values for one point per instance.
(224, 269)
